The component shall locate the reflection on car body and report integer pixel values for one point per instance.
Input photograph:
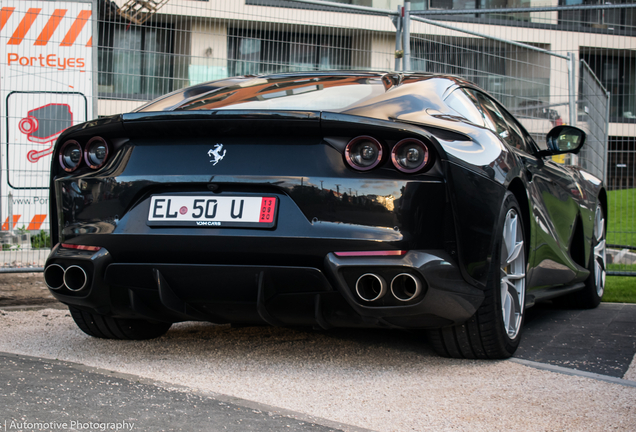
(325, 199)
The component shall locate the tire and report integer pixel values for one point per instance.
(106, 327)
(590, 296)
(494, 331)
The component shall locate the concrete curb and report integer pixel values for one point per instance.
(573, 372)
(36, 307)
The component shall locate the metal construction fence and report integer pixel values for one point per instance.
(65, 62)
(593, 114)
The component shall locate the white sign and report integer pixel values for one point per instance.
(46, 86)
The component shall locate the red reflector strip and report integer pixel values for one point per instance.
(372, 253)
(268, 209)
(81, 247)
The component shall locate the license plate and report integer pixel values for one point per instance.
(216, 211)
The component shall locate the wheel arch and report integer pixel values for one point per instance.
(518, 189)
(602, 199)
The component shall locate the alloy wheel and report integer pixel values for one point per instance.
(599, 251)
(513, 268)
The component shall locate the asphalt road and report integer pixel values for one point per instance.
(601, 340)
(36, 393)
(383, 380)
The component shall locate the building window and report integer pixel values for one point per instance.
(618, 76)
(258, 52)
(609, 19)
(621, 163)
(483, 65)
(518, 78)
(134, 62)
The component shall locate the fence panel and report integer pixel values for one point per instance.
(534, 86)
(46, 87)
(188, 42)
(593, 113)
(137, 53)
(531, 84)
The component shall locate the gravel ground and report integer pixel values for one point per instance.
(24, 289)
(381, 380)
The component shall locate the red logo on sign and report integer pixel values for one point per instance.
(43, 125)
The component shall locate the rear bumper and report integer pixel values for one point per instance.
(323, 296)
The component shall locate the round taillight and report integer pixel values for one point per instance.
(410, 155)
(70, 155)
(363, 153)
(96, 152)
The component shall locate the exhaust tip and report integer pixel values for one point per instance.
(54, 276)
(370, 287)
(406, 287)
(75, 278)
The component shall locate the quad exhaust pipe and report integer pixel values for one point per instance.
(73, 277)
(404, 287)
(370, 287)
(54, 276)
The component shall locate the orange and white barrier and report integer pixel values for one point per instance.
(34, 225)
(46, 85)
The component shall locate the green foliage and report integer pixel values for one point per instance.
(620, 289)
(41, 240)
(621, 228)
(622, 267)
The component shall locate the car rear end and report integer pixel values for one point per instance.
(256, 217)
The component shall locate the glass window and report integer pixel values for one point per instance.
(302, 55)
(472, 60)
(618, 76)
(493, 4)
(318, 94)
(441, 4)
(127, 61)
(466, 105)
(609, 19)
(258, 52)
(492, 117)
(517, 134)
(134, 62)
(248, 56)
(502, 122)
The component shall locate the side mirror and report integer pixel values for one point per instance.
(564, 139)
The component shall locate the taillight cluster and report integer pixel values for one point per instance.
(409, 155)
(94, 154)
(363, 153)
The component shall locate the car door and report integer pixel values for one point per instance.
(553, 208)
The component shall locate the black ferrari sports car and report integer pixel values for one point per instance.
(324, 199)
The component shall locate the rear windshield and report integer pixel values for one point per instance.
(314, 94)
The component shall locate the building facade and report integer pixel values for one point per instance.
(184, 42)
